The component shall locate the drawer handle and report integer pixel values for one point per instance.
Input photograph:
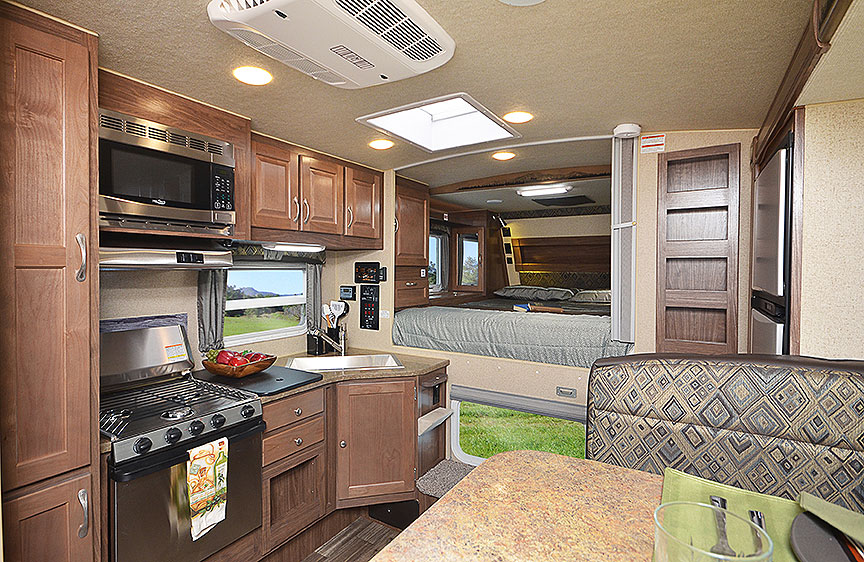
(85, 526)
(343, 444)
(81, 274)
(298, 411)
(410, 284)
(298, 441)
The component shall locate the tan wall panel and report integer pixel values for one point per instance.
(832, 299)
(646, 230)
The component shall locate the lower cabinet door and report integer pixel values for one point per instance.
(50, 524)
(293, 495)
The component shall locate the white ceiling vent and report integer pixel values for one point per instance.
(345, 43)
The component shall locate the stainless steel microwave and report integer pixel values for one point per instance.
(154, 177)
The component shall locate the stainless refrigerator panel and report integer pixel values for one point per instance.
(769, 226)
(766, 335)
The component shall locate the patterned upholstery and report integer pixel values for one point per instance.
(773, 425)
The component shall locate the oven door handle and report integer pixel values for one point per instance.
(137, 468)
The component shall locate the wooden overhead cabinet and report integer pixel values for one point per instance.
(412, 223)
(275, 187)
(48, 285)
(362, 203)
(697, 250)
(376, 433)
(322, 190)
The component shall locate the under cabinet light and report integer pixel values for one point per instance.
(299, 248)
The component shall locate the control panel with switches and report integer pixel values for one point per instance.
(369, 307)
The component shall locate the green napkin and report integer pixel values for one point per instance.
(778, 512)
(840, 518)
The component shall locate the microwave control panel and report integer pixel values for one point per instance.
(369, 307)
(222, 188)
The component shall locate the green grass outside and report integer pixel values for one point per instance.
(235, 325)
(487, 430)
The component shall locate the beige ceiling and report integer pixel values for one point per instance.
(580, 67)
(597, 189)
(839, 74)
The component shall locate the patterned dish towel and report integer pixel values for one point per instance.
(207, 479)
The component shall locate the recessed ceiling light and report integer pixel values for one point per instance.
(502, 156)
(252, 75)
(544, 190)
(381, 144)
(494, 201)
(518, 117)
(441, 123)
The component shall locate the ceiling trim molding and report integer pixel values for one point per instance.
(503, 147)
(526, 178)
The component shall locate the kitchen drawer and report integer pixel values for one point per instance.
(293, 409)
(292, 439)
(432, 391)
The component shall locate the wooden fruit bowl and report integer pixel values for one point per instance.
(239, 371)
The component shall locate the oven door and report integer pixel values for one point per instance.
(149, 502)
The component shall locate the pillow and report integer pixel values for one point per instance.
(526, 292)
(593, 295)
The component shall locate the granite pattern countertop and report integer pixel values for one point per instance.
(414, 366)
(530, 506)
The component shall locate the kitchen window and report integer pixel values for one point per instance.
(480, 431)
(264, 304)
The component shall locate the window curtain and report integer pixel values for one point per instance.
(313, 295)
(212, 290)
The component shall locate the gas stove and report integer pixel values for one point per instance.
(151, 403)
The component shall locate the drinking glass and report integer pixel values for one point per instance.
(688, 532)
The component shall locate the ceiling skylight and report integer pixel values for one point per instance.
(441, 123)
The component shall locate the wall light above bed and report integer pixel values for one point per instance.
(540, 190)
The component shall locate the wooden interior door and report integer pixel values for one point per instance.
(697, 250)
(362, 203)
(275, 183)
(322, 190)
(376, 438)
(412, 225)
(48, 524)
(45, 233)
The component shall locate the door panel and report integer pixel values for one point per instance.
(412, 226)
(322, 192)
(377, 423)
(362, 203)
(45, 180)
(275, 198)
(45, 525)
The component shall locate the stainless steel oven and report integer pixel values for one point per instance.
(154, 177)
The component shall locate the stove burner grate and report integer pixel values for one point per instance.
(177, 414)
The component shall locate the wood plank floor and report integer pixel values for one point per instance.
(358, 542)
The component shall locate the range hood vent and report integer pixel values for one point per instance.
(158, 258)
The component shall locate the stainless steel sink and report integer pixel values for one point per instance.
(346, 363)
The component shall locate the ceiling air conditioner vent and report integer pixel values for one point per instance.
(346, 43)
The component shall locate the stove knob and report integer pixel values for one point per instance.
(217, 421)
(196, 427)
(247, 411)
(142, 445)
(173, 435)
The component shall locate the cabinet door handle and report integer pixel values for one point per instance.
(85, 526)
(308, 211)
(396, 220)
(410, 284)
(298, 411)
(343, 444)
(298, 441)
(297, 203)
(81, 274)
(350, 217)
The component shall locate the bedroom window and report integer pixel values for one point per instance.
(469, 252)
(480, 431)
(437, 267)
(264, 304)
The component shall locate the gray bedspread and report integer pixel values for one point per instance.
(559, 339)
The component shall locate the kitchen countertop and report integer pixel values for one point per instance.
(527, 505)
(414, 366)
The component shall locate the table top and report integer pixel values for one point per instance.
(527, 505)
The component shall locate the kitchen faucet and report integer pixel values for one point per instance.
(338, 346)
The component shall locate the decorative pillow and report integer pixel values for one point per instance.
(526, 292)
(593, 295)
